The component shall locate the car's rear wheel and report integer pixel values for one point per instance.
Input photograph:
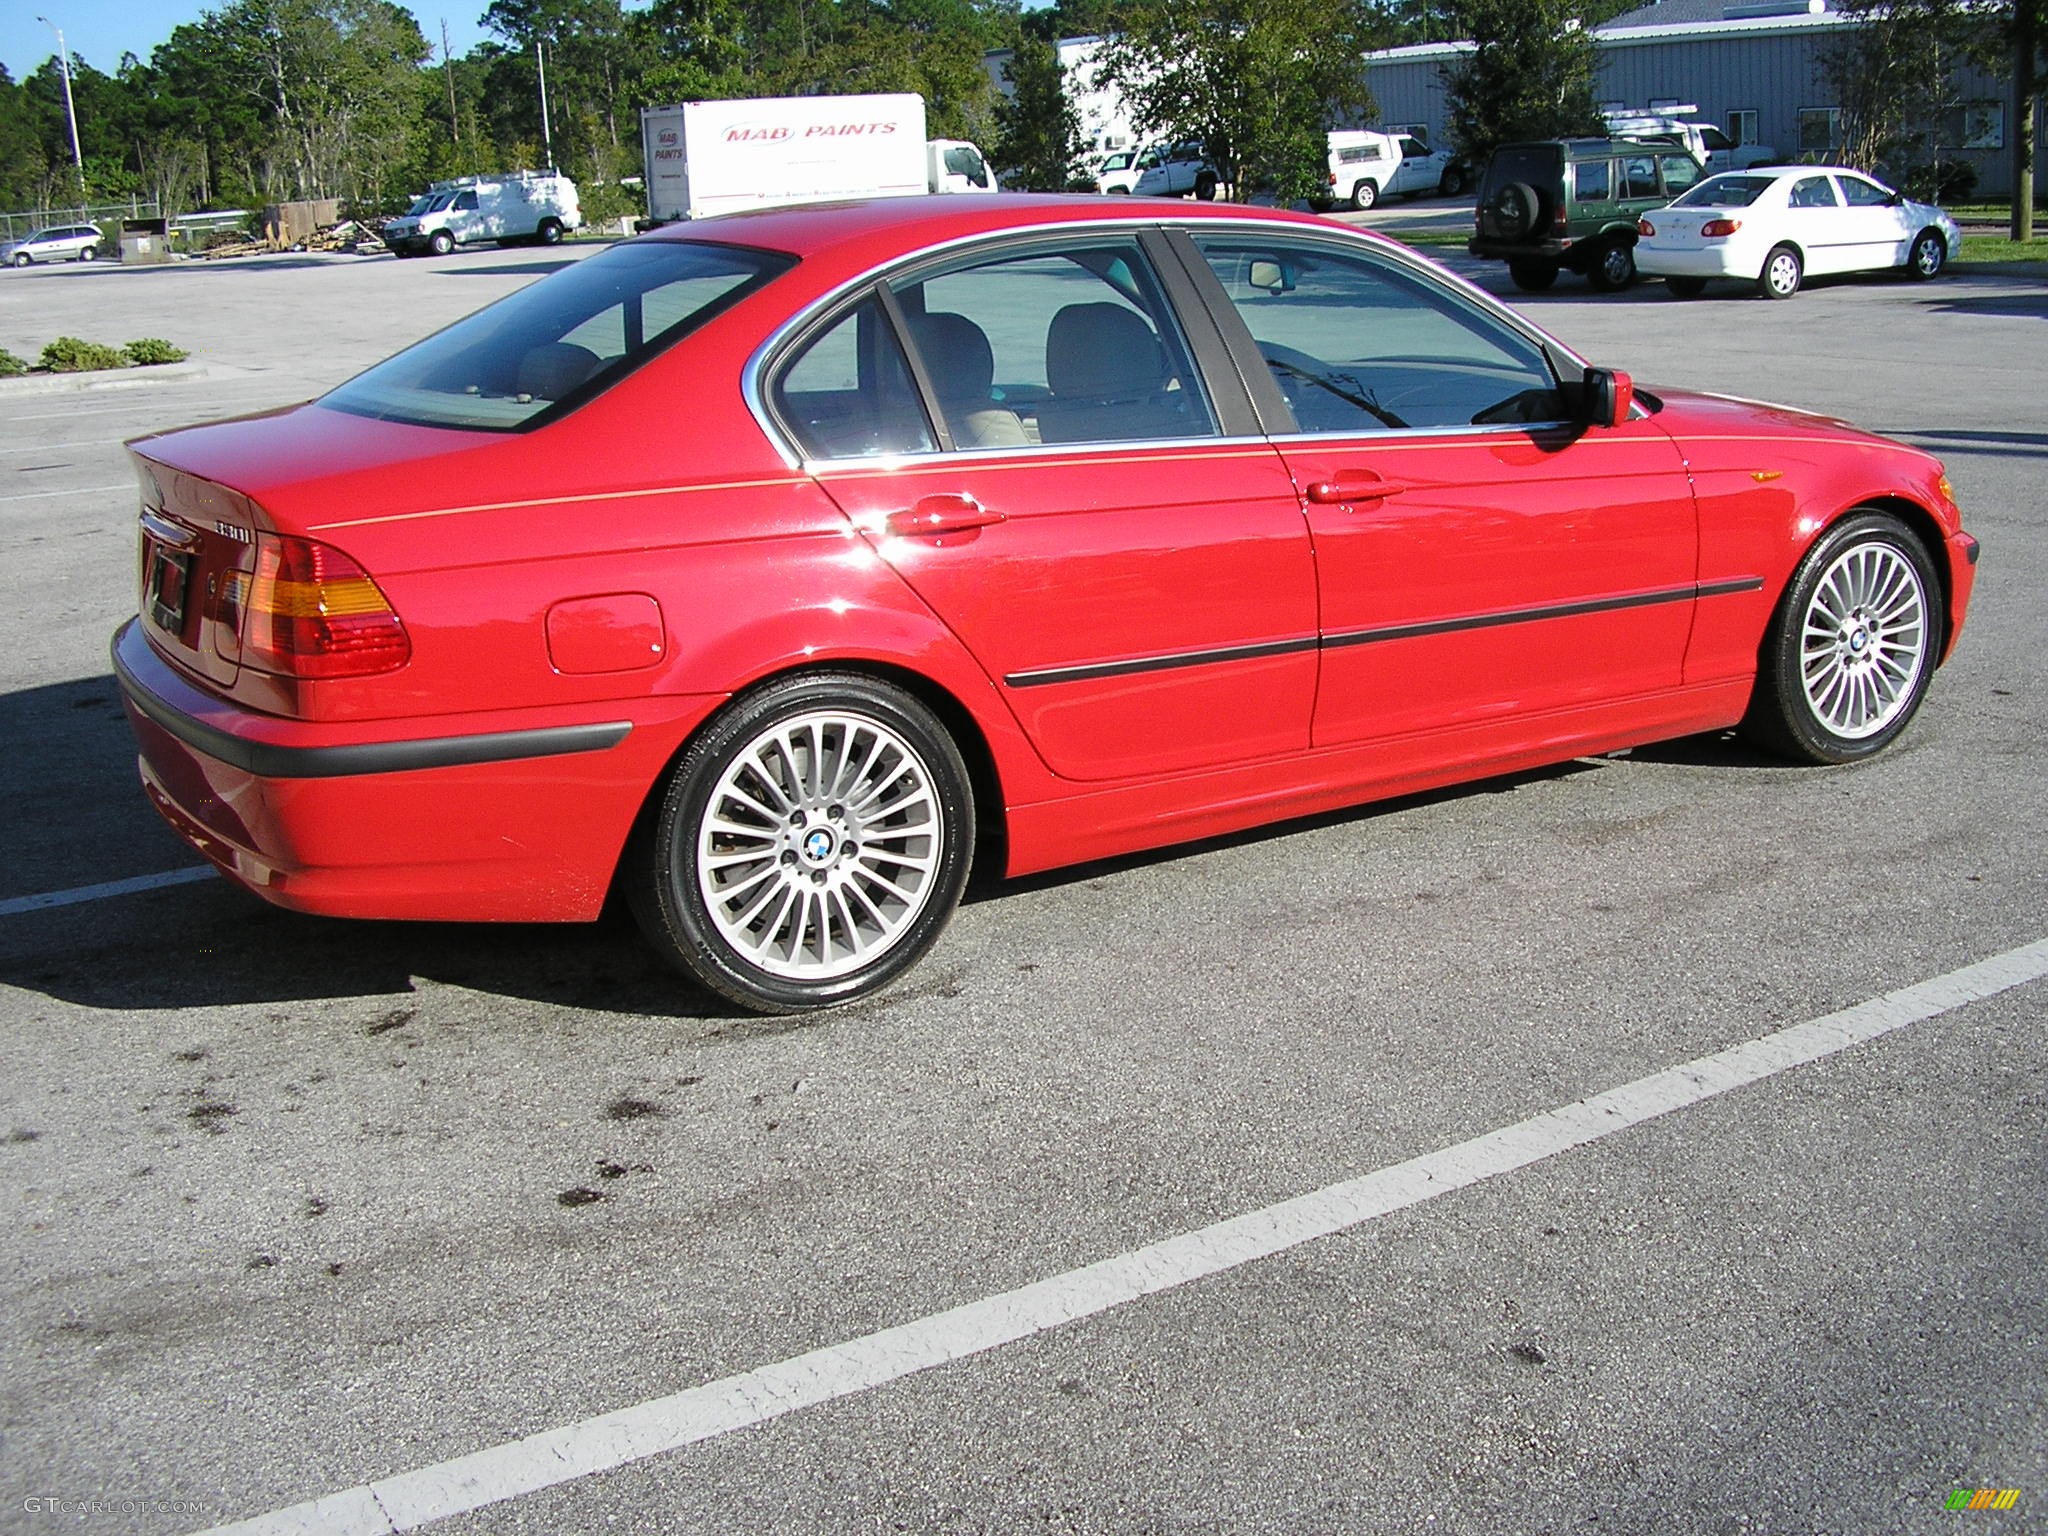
(1615, 267)
(1852, 646)
(1928, 256)
(1782, 273)
(1532, 276)
(1685, 287)
(1363, 196)
(443, 242)
(811, 844)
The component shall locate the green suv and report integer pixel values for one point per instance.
(1573, 203)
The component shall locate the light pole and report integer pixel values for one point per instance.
(70, 110)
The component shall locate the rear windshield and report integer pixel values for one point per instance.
(1726, 192)
(548, 348)
(1535, 164)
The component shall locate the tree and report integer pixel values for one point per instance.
(1896, 73)
(1257, 81)
(1895, 77)
(1038, 133)
(1530, 76)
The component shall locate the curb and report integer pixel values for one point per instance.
(105, 378)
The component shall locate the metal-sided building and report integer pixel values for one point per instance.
(1756, 70)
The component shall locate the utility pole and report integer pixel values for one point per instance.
(547, 137)
(70, 111)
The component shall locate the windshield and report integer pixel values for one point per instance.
(1726, 192)
(548, 348)
(424, 205)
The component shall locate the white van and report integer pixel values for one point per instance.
(954, 165)
(537, 206)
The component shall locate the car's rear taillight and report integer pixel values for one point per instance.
(1719, 229)
(308, 610)
(1645, 228)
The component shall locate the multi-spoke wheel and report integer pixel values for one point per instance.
(812, 844)
(1853, 645)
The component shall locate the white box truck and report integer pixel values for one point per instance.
(540, 206)
(712, 157)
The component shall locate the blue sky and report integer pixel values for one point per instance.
(100, 31)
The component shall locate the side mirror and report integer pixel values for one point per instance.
(1268, 276)
(1608, 395)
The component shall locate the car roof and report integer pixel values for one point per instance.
(899, 225)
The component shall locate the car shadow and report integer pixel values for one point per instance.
(1951, 442)
(81, 820)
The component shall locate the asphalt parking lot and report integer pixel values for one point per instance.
(302, 1210)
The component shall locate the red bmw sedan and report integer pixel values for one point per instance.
(766, 567)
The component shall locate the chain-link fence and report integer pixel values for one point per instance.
(16, 226)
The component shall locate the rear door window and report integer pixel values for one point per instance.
(1592, 181)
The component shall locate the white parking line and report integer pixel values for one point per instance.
(14, 905)
(412, 1499)
(77, 490)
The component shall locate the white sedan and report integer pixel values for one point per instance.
(1775, 227)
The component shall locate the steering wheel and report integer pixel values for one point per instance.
(1308, 387)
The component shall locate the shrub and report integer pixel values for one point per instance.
(147, 351)
(67, 354)
(10, 365)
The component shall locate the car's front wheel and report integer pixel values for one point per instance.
(1205, 188)
(1453, 182)
(550, 232)
(442, 242)
(22, 258)
(1928, 256)
(811, 844)
(90, 253)
(1853, 644)
(1782, 273)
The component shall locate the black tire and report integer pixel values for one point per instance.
(1685, 287)
(1453, 182)
(1783, 271)
(442, 242)
(1928, 255)
(1852, 646)
(550, 232)
(22, 258)
(1119, 192)
(1363, 196)
(1614, 268)
(874, 739)
(1205, 188)
(1512, 213)
(1533, 276)
(90, 253)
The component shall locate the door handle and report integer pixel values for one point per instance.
(933, 515)
(1327, 493)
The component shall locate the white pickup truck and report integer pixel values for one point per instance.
(1708, 144)
(1366, 165)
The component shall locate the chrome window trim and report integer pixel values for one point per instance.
(753, 376)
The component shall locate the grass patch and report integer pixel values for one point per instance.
(1435, 238)
(1995, 248)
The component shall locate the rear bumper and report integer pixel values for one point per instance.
(523, 823)
(1708, 261)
